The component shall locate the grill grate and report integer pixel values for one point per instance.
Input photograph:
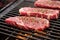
(14, 33)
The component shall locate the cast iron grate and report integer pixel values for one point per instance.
(52, 33)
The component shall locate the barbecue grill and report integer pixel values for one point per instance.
(8, 32)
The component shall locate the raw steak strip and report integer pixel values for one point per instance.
(28, 23)
(47, 4)
(39, 12)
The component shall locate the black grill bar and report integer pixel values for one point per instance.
(7, 38)
(55, 22)
(48, 35)
(17, 33)
(13, 29)
(55, 27)
(7, 34)
(19, 30)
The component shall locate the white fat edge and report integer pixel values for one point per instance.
(47, 22)
(48, 16)
(41, 14)
(28, 13)
(52, 14)
(21, 10)
(38, 0)
(11, 18)
(56, 16)
(20, 22)
(57, 13)
(42, 0)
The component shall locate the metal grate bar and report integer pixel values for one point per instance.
(7, 38)
(7, 34)
(21, 31)
(55, 27)
(2, 22)
(17, 33)
(55, 22)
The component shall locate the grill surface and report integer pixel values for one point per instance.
(13, 33)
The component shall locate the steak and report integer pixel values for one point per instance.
(28, 23)
(39, 12)
(47, 4)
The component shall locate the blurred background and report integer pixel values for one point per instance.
(4, 3)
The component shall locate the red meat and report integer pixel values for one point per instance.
(39, 12)
(48, 4)
(28, 23)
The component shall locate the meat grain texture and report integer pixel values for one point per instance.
(47, 4)
(28, 23)
(39, 12)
